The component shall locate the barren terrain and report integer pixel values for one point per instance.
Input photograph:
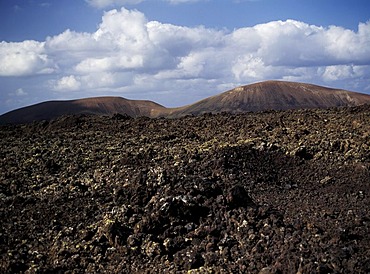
(263, 96)
(267, 192)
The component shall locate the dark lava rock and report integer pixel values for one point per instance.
(271, 192)
(237, 196)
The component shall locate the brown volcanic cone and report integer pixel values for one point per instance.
(94, 106)
(269, 95)
(274, 95)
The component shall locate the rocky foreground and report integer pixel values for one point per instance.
(270, 192)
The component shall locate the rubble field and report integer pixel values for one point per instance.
(268, 192)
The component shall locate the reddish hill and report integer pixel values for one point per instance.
(274, 95)
(269, 95)
(94, 106)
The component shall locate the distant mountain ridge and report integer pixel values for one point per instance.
(268, 95)
(93, 106)
(275, 95)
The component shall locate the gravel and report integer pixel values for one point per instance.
(268, 192)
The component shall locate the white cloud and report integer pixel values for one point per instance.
(24, 58)
(250, 68)
(342, 72)
(347, 45)
(128, 54)
(20, 92)
(101, 80)
(70, 41)
(110, 63)
(67, 83)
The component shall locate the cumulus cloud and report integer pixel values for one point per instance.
(347, 45)
(128, 53)
(67, 83)
(343, 72)
(24, 58)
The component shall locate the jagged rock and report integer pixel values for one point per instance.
(271, 192)
(237, 196)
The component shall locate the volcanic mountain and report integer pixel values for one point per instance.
(274, 95)
(268, 95)
(91, 106)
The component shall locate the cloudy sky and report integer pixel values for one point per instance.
(176, 52)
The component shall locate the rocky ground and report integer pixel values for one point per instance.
(271, 192)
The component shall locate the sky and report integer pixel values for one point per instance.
(176, 52)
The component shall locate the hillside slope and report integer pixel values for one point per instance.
(268, 95)
(274, 95)
(93, 106)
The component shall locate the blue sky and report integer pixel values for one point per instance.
(176, 52)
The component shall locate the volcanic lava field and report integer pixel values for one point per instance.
(266, 192)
